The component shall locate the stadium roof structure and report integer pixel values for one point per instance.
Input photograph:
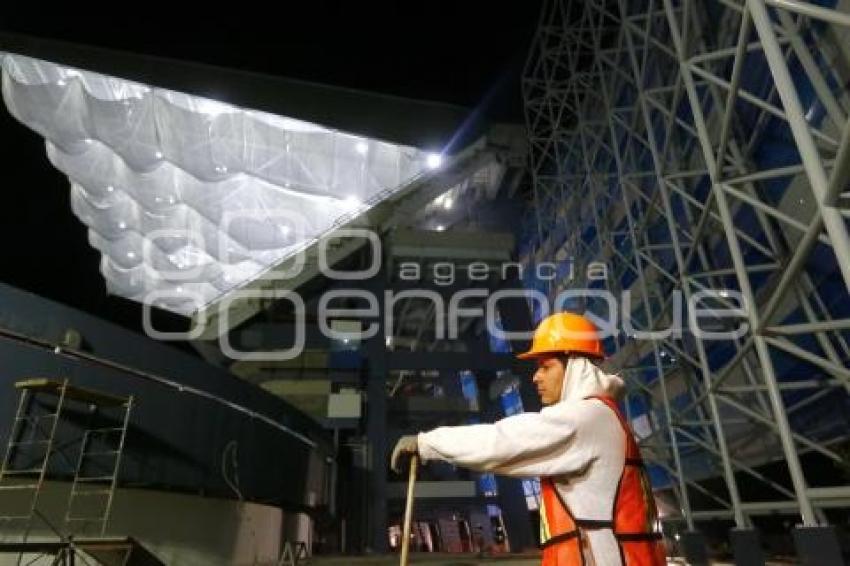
(701, 149)
(196, 181)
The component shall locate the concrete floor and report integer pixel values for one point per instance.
(462, 560)
(429, 558)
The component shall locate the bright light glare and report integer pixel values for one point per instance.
(434, 160)
(353, 202)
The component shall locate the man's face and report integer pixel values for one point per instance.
(549, 378)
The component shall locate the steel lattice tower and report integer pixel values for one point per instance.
(698, 146)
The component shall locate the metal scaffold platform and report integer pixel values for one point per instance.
(51, 418)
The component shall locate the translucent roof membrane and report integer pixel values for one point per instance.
(186, 197)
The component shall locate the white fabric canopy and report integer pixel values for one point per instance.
(187, 197)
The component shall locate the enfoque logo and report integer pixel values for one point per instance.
(708, 314)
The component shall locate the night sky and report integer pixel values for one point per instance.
(466, 53)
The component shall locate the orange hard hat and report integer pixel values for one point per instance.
(565, 333)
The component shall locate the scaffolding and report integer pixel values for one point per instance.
(702, 149)
(35, 448)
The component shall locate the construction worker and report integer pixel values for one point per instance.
(596, 506)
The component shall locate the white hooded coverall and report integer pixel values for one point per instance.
(578, 442)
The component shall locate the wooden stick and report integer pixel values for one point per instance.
(408, 510)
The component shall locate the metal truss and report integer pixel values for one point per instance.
(699, 145)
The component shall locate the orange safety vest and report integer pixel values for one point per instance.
(634, 517)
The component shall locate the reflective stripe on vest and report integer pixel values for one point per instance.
(634, 516)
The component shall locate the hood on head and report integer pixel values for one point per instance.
(583, 379)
